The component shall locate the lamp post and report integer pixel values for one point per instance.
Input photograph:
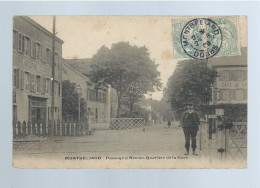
(79, 91)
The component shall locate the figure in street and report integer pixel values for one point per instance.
(190, 124)
(169, 123)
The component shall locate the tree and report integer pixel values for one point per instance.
(70, 102)
(190, 82)
(128, 69)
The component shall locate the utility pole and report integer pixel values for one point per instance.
(53, 77)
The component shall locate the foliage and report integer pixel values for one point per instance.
(138, 112)
(190, 82)
(128, 69)
(163, 108)
(232, 112)
(70, 102)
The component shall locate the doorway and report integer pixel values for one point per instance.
(37, 109)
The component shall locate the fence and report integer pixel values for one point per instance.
(127, 123)
(61, 128)
(224, 142)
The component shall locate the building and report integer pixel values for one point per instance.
(101, 100)
(32, 71)
(231, 85)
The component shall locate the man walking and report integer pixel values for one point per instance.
(190, 124)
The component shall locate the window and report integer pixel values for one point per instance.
(59, 88)
(14, 97)
(20, 43)
(15, 41)
(48, 56)
(242, 75)
(38, 84)
(47, 85)
(224, 75)
(27, 46)
(105, 98)
(239, 94)
(224, 94)
(244, 94)
(16, 78)
(43, 90)
(99, 97)
(32, 83)
(27, 81)
(38, 51)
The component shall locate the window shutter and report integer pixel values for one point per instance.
(23, 38)
(17, 78)
(15, 40)
(43, 54)
(31, 84)
(43, 85)
(22, 79)
(34, 50)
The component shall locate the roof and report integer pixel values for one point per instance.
(75, 71)
(26, 18)
(81, 65)
(239, 60)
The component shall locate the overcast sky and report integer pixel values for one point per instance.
(84, 35)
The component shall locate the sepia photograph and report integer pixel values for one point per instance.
(129, 92)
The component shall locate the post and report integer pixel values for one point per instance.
(53, 78)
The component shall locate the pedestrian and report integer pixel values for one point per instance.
(169, 123)
(190, 124)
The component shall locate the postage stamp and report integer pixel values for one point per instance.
(202, 38)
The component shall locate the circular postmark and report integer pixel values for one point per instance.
(201, 38)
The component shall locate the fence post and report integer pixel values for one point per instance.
(75, 129)
(44, 128)
(19, 128)
(64, 127)
(14, 129)
(59, 127)
(49, 127)
(24, 128)
(40, 129)
(29, 127)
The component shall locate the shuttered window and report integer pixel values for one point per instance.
(16, 78)
(20, 43)
(27, 46)
(15, 40)
(38, 84)
(27, 81)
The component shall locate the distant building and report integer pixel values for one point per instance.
(231, 85)
(101, 100)
(32, 71)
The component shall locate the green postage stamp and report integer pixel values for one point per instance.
(205, 37)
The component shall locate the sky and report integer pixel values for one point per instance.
(84, 35)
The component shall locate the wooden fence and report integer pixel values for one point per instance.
(61, 128)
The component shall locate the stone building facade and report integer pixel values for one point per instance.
(32, 71)
(101, 100)
(231, 85)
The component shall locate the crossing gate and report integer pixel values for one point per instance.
(224, 142)
(127, 123)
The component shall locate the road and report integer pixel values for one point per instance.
(154, 141)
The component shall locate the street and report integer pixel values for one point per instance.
(155, 142)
